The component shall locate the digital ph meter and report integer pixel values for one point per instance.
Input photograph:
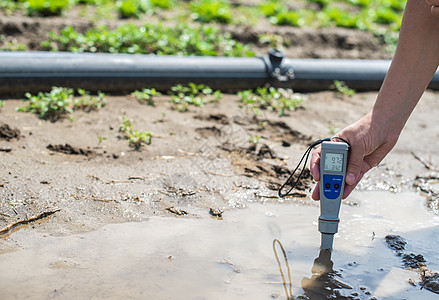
(333, 163)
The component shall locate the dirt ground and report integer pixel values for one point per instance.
(200, 163)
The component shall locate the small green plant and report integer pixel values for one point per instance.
(9, 43)
(271, 8)
(341, 18)
(192, 94)
(100, 140)
(46, 7)
(87, 102)
(206, 11)
(134, 8)
(254, 139)
(8, 7)
(2, 104)
(51, 105)
(163, 4)
(291, 18)
(272, 99)
(342, 89)
(385, 15)
(60, 101)
(146, 96)
(136, 139)
(128, 8)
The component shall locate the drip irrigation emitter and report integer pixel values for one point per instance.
(333, 164)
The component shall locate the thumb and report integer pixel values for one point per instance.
(355, 164)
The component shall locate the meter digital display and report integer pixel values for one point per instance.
(333, 162)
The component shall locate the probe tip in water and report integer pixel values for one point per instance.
(327, 241)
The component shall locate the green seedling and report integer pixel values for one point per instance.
(254, 139)
(51, 105)
(206, 11)
(135, 8)
(128, 8)
(11, 44)
(14, 46)
(2, 104)
(192, 94)
(271, 99)
(87, 102)
(60, 101)
(387, 16)
(46, 7)
(146, 96)
(163, 4)
(136, 139)
(271, 8)
(8, 7)
(100, 140)
(291, 18)
(342, 89)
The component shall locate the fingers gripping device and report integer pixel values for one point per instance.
(333, 162)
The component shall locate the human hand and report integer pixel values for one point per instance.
(370, 142)
(434, 7)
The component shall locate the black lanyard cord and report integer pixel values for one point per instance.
(305, 156)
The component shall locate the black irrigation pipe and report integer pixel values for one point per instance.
(118, 73)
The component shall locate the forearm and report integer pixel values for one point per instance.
(415, 61)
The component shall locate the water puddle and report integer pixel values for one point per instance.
(184, 258)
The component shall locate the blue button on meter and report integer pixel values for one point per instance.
(332, 185)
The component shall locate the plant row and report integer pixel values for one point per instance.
(61, 102)
(158, 39)
(359, 14)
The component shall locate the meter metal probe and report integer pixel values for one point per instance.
(333, 161)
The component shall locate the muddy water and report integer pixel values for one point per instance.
(233, 258)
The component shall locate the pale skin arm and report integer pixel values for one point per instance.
(414, 63)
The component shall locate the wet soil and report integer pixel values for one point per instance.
(412, 261)
(8, 133)
(69, 150)
(265, 251)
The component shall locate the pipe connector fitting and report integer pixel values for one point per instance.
(276, 66)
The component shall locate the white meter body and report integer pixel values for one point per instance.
(333, 162)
